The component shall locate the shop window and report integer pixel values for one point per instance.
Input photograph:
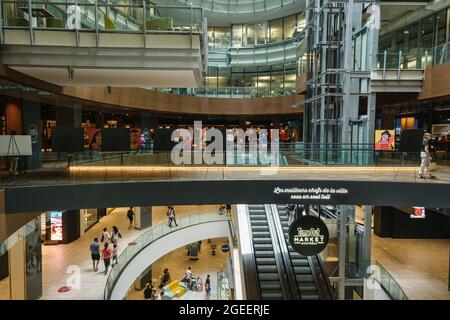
(276, 30)
(261, 33)
(250, 35)
(221, 37)
(289, 25)
(237, 35)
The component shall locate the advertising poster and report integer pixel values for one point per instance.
(384, 140)
(94, 138)
(56, 225)
(135, 138)
(419, 212)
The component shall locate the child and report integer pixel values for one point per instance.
(114, 254)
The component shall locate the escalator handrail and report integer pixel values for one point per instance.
(254, 272)
(332, 295)
(290, 274)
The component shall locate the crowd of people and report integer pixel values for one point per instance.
(109, 252)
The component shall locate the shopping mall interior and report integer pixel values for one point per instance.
(224, 150)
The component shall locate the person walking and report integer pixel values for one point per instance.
(115, 235)
(148, 292)
(106, 237)
(425, 157)
(207, 285)
(290, 212)
(165, 279)
(130, 217)
(95, 254)
(114, 253)
(171, 216)
(106, 256)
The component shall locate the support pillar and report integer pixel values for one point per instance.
(367, 242)
(32, 125)
(143, 217)
(342, 251)
(17, 269)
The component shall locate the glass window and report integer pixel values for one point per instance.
(237, 35)
(261, 33)
(276, 30)
(263, 81)
(427, 32)
(222, 37)
(224, 77)
(276, 81)
(250, 35)
(413, 36)
(237, 77)
(211, 37)
(211, 78)
(441, 22)
(289, 23)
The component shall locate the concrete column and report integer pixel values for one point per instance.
(17, 269)
(32, 125)
(367, 244)
(143, 217)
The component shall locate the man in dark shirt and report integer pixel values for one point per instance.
(95, 253)
(130, 217)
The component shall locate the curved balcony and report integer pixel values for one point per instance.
(241, 10)
(270, 53)
(157, 242)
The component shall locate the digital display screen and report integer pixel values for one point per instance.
(56, 225)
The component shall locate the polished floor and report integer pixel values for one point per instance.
(71, 265)
(420, 266)
(177, 262)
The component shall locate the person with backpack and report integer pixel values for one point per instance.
(130, 217)
(115, 235)
(148, 292)
(106, 256)
(106, 237)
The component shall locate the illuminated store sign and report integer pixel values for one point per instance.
(56, 225)
(308, 235)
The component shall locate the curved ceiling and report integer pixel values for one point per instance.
(226, 12)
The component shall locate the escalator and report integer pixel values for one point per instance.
(265, 253)
(272, 269)
(310, 277)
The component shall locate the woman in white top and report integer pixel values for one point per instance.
(106, 237)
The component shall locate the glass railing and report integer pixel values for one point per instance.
(386, 281)
(413, 59)
(94, 166)
(233, 92)
(153, 234)
(100, 15)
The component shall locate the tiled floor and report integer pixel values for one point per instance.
(71, 265)
(420, 266)
(177, 262)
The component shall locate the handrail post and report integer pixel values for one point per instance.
(96, 22)
(144, 17)
(30, 22)
(77, 32)
(426, 59)
(384, 64)
(192, 21)
(399, 64)
(2, 21)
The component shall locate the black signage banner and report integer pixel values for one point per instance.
(308, 235)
